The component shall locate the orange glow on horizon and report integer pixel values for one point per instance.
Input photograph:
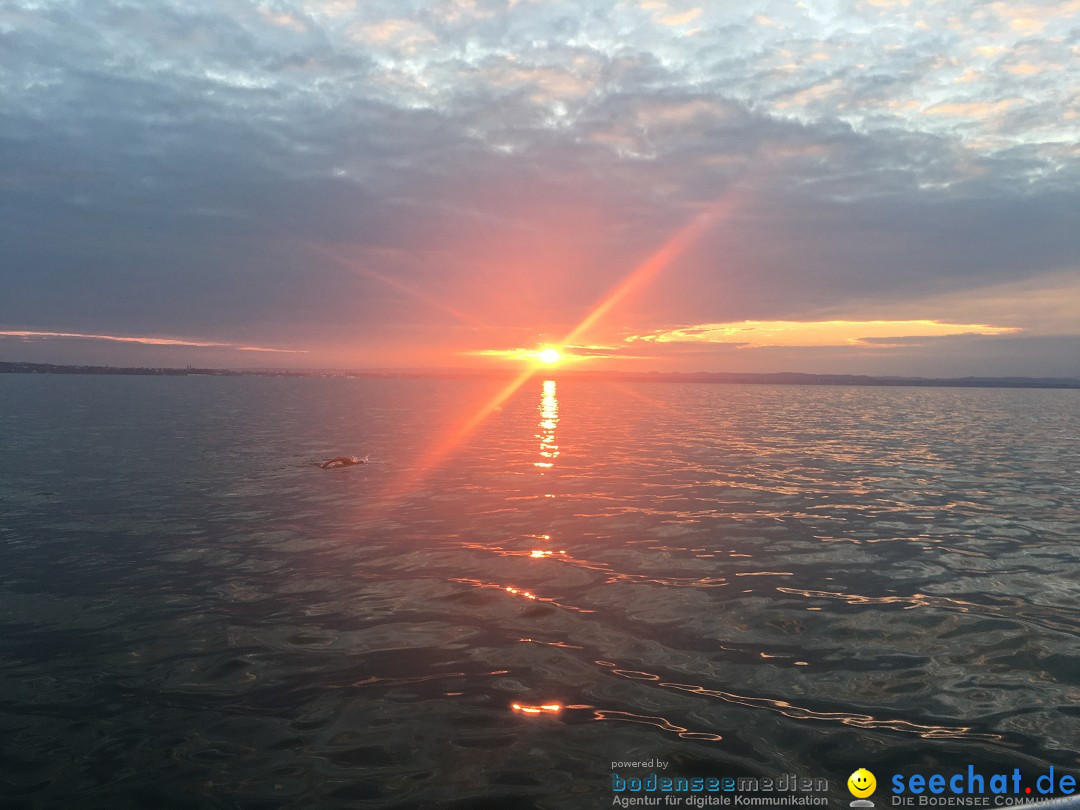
(547, 355)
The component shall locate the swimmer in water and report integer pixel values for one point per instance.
(342, 461)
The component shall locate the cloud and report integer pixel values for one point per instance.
(972, 109)
(757, 334)
(146, 341)
(406, 35)
(283, 20)
(681, 18)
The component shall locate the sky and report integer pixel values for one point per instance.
(873, 187)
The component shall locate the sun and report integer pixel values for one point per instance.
(549, 355)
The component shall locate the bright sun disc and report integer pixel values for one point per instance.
(548, 356)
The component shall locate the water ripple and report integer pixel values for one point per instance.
(735, 579)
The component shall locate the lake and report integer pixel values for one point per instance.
(731, 580)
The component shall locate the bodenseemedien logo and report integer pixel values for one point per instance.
(862, 784)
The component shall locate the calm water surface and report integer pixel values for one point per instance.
(739, 580)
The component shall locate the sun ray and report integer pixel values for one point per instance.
(675, 413)
(651, 267)
(441, 450)
(395, 284)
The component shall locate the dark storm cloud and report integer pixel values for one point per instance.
(185, 168)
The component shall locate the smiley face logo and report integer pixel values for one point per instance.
(861, 783)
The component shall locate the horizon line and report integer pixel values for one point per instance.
(794, 377)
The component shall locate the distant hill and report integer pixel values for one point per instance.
(49, 368)
(795, 378)
(780, 378)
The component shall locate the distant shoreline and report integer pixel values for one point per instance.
(780, 378)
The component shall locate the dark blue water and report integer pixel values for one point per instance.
(737, 580)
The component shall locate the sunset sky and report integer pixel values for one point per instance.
(871, 187)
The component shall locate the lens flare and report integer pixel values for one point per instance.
(635, 280)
